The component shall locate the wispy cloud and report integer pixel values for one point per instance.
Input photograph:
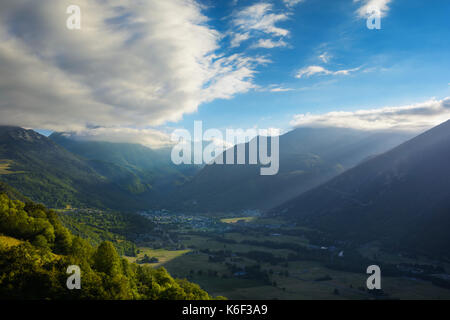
(325, 57)
(292, 3)
(260, 21)
(260, 17)
(317, 70)
(281, 89)
(278, 88)
(269, 44)
(410, 117)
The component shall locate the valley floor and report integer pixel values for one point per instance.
(249, 258)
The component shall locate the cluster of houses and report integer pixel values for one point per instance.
(195, 222)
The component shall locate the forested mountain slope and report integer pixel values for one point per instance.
(401, 197)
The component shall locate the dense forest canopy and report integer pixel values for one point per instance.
(36, 249)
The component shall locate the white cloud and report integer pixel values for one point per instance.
(232, 75)
(259, 17)
(368, 5)
(345, 72)
(281, 89)
(325, 57)
(269, 44)
(312, 70)
(275, 88)
(260, 21)
(147, 137)
(237, 38)
(132, 64)
(291, 3)
(410, 117)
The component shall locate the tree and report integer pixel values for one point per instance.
(106, 259)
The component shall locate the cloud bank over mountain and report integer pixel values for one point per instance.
(410, 117)
(132, 64)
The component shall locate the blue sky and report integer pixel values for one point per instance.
(405, 62)
(135, 71)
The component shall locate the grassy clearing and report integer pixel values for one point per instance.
(412, 289)
(234, 288)
(184, 265)
(164, 256)
(5, 167)
(273, 238)
(12, 242)
(235, 220)
(199, 243)
(9, 241)
(374, 250)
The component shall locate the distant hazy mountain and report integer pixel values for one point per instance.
(401, 197)
(46, 172)
(133, 166)
(308, 157)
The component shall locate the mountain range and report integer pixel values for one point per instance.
(62, 170)
(308, 157)
(399, 198)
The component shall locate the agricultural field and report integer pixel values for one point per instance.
(164, 256)
(250, 262)
(238, 219)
